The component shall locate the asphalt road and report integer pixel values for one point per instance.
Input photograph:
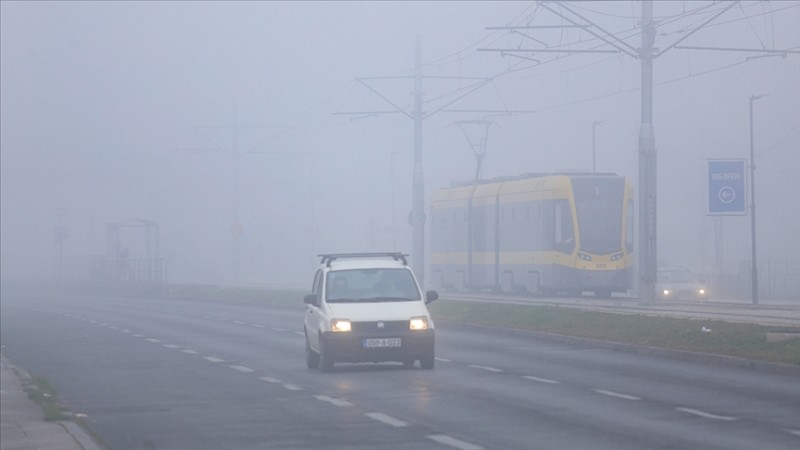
(172, 374)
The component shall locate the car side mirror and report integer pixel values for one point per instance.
(310, 299)
(431, 296)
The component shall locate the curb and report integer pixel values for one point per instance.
(75, 430)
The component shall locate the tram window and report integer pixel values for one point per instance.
(565, 236)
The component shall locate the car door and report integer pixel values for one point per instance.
(312, 316)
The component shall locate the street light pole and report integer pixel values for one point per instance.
(594, 151)
(754, 273)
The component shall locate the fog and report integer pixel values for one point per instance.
(136, 110)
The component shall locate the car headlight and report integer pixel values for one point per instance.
(341, 325)
(418, 323)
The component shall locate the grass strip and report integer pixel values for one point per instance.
(45, 395)
(724, 338)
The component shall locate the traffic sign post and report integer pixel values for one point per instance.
(726, 187)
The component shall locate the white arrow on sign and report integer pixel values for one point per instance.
(726, 194)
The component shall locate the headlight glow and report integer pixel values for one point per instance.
(341, 325)
(418, 323)
(666, 292)
(584, 256)
(701, 291)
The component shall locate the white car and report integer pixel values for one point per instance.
(679, 283)
(367, 307)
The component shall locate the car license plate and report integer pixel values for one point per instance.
(382, 342)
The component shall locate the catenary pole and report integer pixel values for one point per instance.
(418, 182)
(647, 164)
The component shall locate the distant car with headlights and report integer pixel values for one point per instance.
(679, 283)
(367, 307)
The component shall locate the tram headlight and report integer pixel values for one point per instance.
(616, 257)
(584, 256)
(666, 292)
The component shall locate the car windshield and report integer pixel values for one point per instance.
(676, 276)
(371, 285)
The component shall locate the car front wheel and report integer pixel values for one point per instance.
(325, 358)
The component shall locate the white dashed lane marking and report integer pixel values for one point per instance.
(389, 420)
(453, 442)
(278, 329)
(333, 401)
(540, 380)
(213, 359)
(292, 387)
(616, 394)
(191, 352)
(239, 322)
(153, 340)
(256, 325)
(138, 336)
(271, 380)
(442, 359)
(242, 369)
(794, 432)
(171, 346)
(490, 369)
(705, 414)
(300, 333)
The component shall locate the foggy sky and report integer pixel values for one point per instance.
(102, 102)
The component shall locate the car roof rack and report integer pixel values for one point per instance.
(329, 257)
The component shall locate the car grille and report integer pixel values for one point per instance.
(388, 326)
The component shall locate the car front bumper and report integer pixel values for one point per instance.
(350, 347)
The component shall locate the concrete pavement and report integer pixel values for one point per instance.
(22, 424)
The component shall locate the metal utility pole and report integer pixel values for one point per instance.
(594, 145)
(418, 182)
(647, 164)
(478, 148)
(754, 274)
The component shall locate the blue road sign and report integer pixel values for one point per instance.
(726, 187)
